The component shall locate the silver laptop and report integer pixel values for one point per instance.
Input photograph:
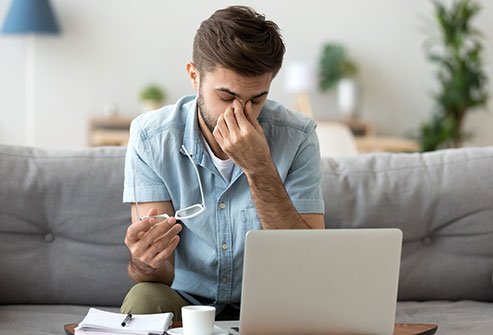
(308, 282)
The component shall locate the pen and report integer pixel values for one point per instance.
(126, 320)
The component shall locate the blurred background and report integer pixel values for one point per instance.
(107, 52)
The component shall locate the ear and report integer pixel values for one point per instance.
(194, 76)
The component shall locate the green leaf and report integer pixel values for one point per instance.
(460, 74)
(334, 65)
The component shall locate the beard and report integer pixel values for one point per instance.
(204, 112)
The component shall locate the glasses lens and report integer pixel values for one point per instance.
(189, 212)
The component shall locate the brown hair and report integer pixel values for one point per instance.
(239, 39)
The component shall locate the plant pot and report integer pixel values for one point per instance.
(348, 97)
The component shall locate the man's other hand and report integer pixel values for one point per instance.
(152, 242)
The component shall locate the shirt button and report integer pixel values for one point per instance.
(225, 279)
(225, 246)
(222, 205)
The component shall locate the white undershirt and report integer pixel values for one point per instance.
(225, 167)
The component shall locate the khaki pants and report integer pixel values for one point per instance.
(148, 298)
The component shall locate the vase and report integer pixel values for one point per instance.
(348, 97)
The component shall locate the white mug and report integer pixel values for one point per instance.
(198, 320)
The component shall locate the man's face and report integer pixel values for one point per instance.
(218, 89)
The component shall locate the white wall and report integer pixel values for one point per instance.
(110, 49)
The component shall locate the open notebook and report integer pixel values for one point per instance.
(98, 322)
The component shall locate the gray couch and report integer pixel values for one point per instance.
(62, 226)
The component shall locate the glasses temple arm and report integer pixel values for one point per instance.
(200, 185)
(197, 173)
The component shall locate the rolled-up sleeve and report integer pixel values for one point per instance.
(303, 180)
(141, 183)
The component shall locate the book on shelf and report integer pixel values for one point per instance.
(98, 322)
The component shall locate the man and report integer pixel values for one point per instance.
(257, 162)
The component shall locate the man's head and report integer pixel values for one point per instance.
(236, 54)
(239, 39)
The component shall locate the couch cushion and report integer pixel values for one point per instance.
(443, 203)
(62, 226)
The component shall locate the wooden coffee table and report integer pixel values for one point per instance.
(400, 328)
(415, 329)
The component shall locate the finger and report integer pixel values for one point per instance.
(168, 235)
(141, 246)
(246, 120)
(156, 218)
(158, 230)
(250, 117)
(239, 114)
(135, 229)
(219, 138)
(167, 252)
(249, 111)
(164, 241)
(221, 125)
(152, 212)
(230, 118)
(220, 130)
(237, 104)
(159, 245)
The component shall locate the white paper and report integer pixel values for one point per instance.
(101, 322)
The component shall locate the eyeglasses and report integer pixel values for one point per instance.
(181, 214)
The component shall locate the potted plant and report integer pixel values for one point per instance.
(336, 69)
(460, 74)
(152, 97)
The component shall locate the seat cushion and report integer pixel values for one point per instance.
(41, 319)
(453, 318)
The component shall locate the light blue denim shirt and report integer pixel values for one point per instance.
(209, 257)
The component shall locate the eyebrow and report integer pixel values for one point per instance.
(225, 90)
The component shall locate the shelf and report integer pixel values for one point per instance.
(385, 144)
(109, 130)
